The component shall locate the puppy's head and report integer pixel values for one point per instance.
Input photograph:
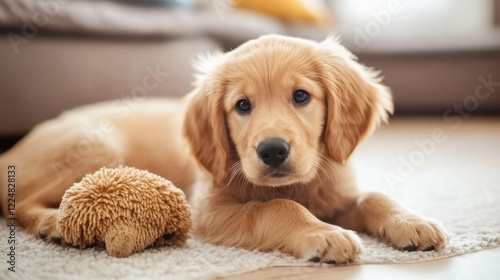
(277, 107)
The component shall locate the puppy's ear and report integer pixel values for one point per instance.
(356, 100)
(204, 125)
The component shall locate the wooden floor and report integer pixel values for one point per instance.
(480, 265)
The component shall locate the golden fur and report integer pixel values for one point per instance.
(309, 212)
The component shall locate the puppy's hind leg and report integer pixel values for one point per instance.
(46, 166)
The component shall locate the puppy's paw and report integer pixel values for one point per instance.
(47, 229)
(410, 232)
(328, 244)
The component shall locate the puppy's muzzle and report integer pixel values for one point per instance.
(273, 152)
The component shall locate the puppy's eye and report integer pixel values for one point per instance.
(243, 106)
(300, 97)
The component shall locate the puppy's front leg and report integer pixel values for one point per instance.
(277, 224)
(379, 215)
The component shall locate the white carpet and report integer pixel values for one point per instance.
(457, 183)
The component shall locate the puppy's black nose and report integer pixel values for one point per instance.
(273, 152)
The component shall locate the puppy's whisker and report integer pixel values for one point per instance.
(323, 169)
(233, 171)
(238, 176)
(329, 162)
(327, 172)
(230, 171)
(318, 176)
(240, 182)
(329, 175)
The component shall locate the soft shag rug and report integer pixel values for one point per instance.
(456, 180)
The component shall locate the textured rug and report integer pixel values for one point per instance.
(454, 178)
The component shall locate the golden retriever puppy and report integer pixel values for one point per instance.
(261, 147)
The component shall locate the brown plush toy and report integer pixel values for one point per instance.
(125, 210)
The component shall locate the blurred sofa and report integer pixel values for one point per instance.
(78, 52)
